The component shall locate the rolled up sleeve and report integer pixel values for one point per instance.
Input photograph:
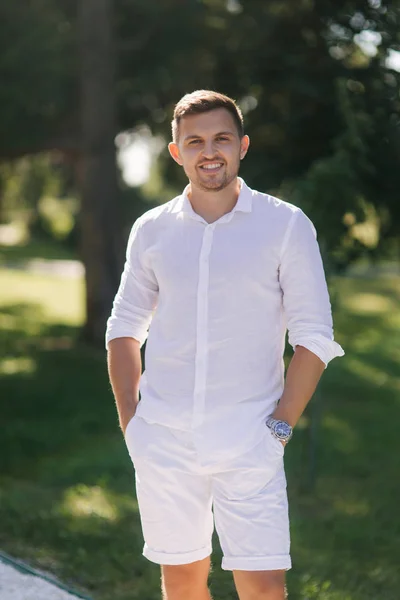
(305, 294)
(137, 294)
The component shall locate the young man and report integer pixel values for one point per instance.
(220, 272)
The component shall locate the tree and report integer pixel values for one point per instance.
(38, 75)
(323, 114)
(101, 244)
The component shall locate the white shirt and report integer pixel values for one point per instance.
(218, 298)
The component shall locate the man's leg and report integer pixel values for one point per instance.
(260, 585)
(186, 582)
(175, 506)
(252, 520)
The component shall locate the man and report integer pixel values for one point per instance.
(220, 272)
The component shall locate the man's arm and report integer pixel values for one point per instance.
(128, 325)
(307, 309)
(124, 369)
(303, 374)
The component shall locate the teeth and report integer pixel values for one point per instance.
(212, 166)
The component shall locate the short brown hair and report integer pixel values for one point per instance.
(202, 101)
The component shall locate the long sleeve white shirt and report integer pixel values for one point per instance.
(214, 301)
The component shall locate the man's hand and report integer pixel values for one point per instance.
(125, 367)
(125, 420)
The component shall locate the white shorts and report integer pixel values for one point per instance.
(179, 500)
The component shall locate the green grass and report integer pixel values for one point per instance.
(67, 500)
(36, 248)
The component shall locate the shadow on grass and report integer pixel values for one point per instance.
(68, 502)
(67, 487)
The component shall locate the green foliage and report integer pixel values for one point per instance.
(39, 191)
(317, 106)
(38, 74)
(321, 106)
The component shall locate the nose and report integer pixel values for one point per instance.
(208, 149)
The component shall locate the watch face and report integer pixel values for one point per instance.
(282, 430)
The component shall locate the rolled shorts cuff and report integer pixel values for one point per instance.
(257, 563)
(181, 558)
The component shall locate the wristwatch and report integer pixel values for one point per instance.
(280, 429)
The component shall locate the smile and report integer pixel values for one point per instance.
(211, 166)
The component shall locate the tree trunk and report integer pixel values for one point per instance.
(100, 242)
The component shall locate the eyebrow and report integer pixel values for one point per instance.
(195, 137)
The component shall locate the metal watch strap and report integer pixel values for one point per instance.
(270, 422)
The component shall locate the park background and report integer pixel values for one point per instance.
(86, 99)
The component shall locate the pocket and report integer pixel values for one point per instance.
(130, 436)
(250, 472)
(141, 438)
(129, 425)
(274, 443)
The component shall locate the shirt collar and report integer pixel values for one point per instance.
(243, 204)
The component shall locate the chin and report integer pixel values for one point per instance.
(216, 186)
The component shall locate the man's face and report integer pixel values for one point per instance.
(209, 149)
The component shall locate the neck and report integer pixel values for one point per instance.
(213, 205)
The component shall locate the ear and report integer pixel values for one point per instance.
(244, 146)
(174, 152)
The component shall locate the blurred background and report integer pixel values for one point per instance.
(86, 99)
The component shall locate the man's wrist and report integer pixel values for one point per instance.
(280, 429)
(280, 414)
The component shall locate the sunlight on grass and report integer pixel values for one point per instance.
(62, 300)
(373, 375)
(7, 322)
(314, 589)
(353, 508)
(369, 303)
(87, 501)
(21, 365)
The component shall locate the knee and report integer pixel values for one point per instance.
(180, 582)
(254, 585)
(270, 587)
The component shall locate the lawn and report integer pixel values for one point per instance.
(67, 502)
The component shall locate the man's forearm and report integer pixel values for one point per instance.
(124, 369)
(304, 372)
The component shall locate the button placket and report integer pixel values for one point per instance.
(202, 329)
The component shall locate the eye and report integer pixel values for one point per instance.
(193, 142)
(223, 138)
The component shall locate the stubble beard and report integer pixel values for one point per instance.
(221, 184)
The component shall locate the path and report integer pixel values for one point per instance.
(18, 581)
